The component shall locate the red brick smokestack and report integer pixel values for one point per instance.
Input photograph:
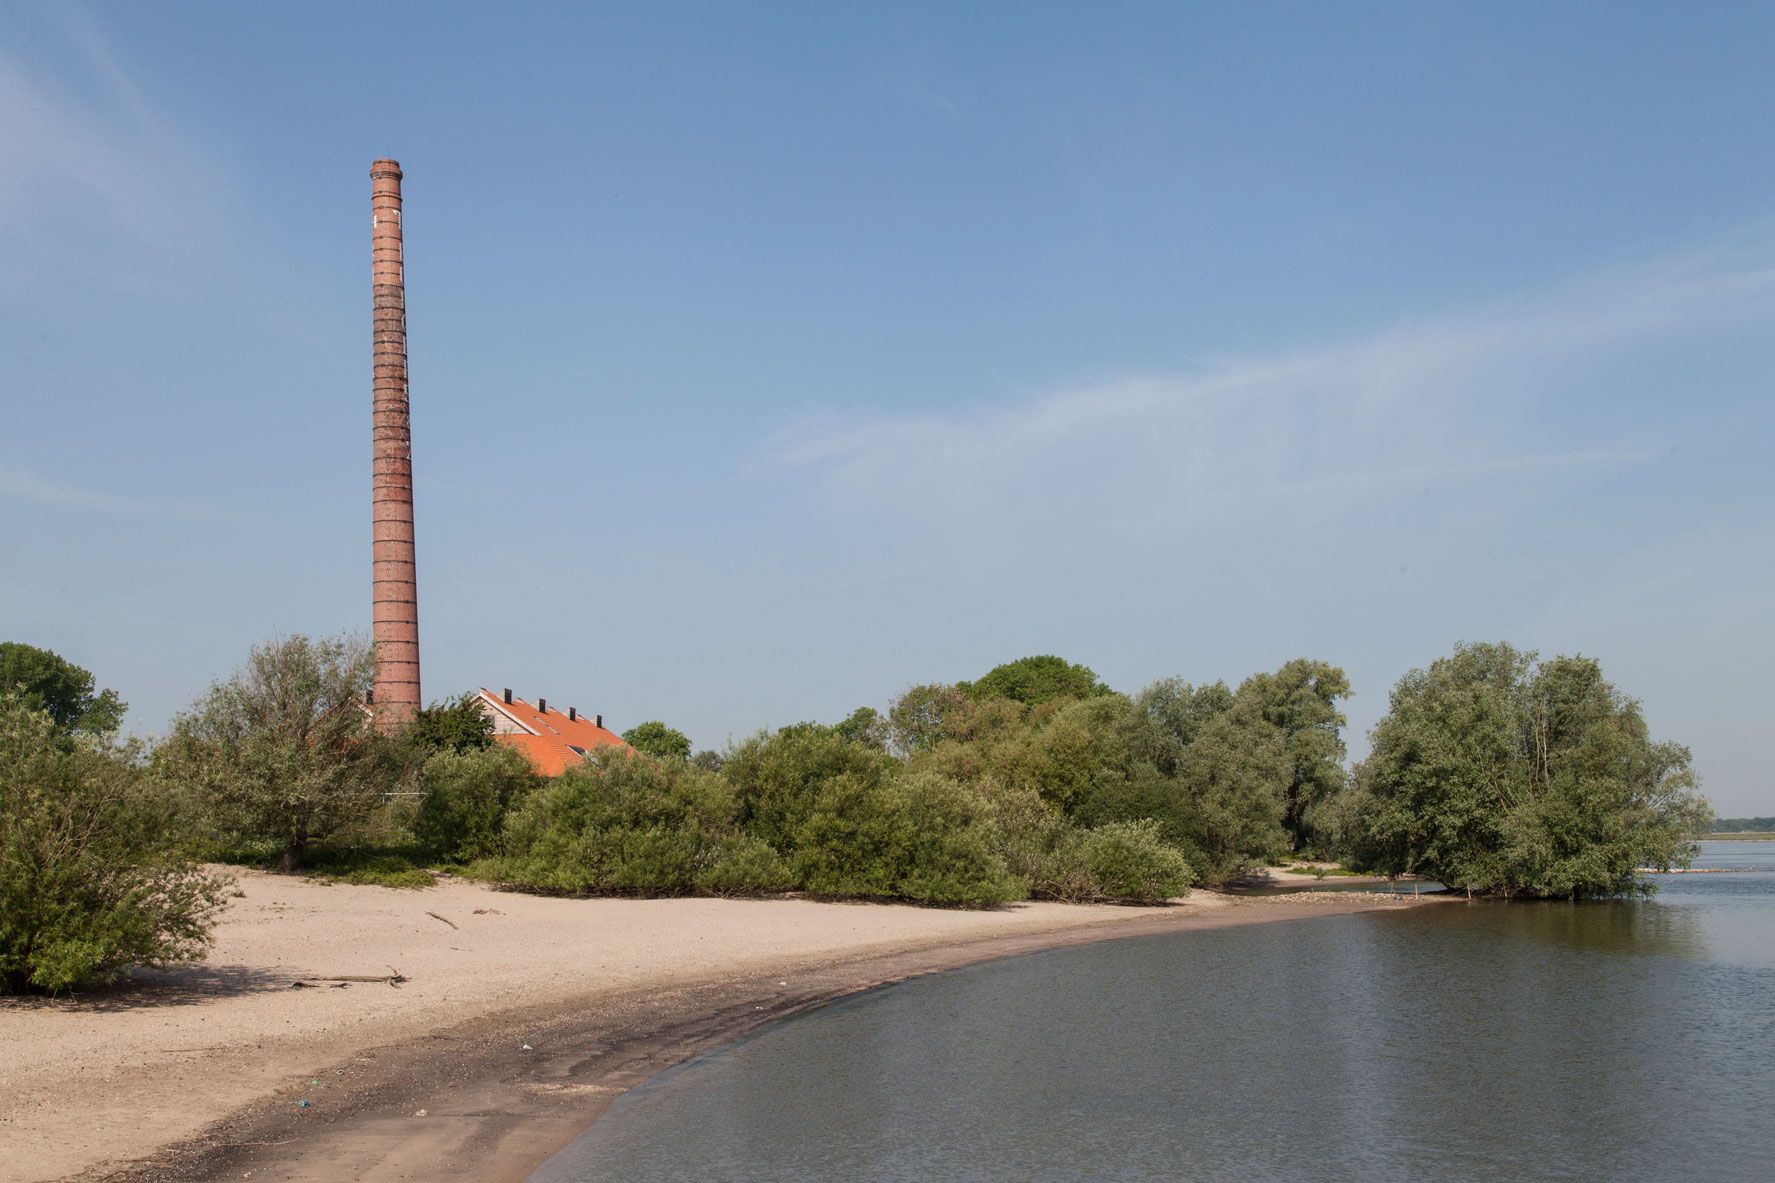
(394, 588)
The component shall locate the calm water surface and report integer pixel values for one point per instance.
(1631, 1040)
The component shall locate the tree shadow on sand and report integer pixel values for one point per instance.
(140, 989)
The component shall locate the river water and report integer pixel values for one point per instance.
(1485, 1041)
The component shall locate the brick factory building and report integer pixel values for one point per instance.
(553, 741)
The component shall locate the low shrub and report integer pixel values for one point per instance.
(745, 865)
(628, 824)
(93, 874)
(1131, 862)
(467, 795)
(920, 837)
(776, 777)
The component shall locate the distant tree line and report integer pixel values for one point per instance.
(1741, 825)
(1492, 772)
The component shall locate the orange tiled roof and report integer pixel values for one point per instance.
(551, 740)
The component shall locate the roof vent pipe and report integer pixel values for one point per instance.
(599, 720)
(572, 714)
(508, 696)
(542, 706)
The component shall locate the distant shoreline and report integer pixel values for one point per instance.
(495, 1052)
(1744, 836)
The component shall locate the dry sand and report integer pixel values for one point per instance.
(1335, 877)
(200, 1073)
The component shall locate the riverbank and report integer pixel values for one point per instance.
(517, 1019)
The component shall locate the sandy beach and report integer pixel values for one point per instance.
(517, 1021)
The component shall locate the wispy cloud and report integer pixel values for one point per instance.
(1447, 400)
(85, 148)
(19, 485)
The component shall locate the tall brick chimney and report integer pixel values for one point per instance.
(394, 612)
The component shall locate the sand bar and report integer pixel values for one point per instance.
(201, 1073)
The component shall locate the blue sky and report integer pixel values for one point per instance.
(769, 358)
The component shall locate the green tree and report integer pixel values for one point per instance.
(449, 725)
(1035, 680)
(48, 682)
(1233, 781)
(1495, 773)
(865, 726)
(283, 751)
(916, 720)
(1300, 701)
(1166, 719)
(94, 875)
(1208, 766)
(655, 739)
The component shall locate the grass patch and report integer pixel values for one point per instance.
(374, 870)
(403, 864)
(373, 865)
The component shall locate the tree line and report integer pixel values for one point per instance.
(1742, 825)
(1493, 772)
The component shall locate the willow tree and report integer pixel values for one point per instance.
(283, 751)
(1496, 773)
(1300, 702)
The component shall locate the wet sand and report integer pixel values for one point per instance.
(201, 1073)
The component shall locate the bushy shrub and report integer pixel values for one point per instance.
(1130, 861)
(630, 825)
(1063, 751)
(919, 837)
(744, 865)
(92, 876)
(1122, 861)
(1028, 827)
(467, 796)
(776, 777)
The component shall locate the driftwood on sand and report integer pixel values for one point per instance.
(393, 977)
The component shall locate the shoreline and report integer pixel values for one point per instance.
(464, 1101)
